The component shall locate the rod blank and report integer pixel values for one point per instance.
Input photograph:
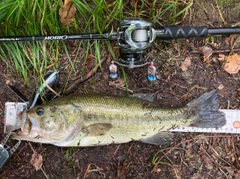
(85, 36)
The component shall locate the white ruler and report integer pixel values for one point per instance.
(232, 125)
(12, 121)
(11, 118)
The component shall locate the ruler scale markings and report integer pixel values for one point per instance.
(232, 124)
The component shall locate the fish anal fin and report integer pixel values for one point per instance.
(160, 138)
(96, 129)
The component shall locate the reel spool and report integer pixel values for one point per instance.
(134, 37)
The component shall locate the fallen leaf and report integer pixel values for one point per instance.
(185, 64)
(231, 63)
(90, 61)
(207, 52)
(67, 12)
(8, 82)
(220, 87)
(36, 160)
(221, 57)
(117, 83)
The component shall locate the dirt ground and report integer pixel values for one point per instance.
(189, 155)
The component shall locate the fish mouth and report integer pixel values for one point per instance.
(30, 128)
(22, 119)
(32, 131)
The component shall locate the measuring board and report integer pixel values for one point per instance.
(232, 125)
(11, 119)
(12, 122)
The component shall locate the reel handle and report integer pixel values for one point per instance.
(177, 32)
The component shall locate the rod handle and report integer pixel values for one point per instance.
(177, 32)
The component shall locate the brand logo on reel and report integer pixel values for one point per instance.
(56, 37)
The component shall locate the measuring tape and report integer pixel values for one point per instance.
(232, 125)
(12, 121)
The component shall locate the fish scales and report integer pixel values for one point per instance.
(133, 112)
(127, 105)
(90, 120)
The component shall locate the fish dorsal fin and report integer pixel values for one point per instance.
(151, 97)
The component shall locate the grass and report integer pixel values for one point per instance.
(31, 17)
(69, 157)
(22, 18)
(156, 160)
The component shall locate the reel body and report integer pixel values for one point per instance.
(134, 37)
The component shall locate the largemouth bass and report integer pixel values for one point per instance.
(91, 120)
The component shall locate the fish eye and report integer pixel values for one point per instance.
(40, 111)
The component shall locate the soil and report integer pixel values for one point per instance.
(189, 155)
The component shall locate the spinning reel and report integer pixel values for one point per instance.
(134, 37)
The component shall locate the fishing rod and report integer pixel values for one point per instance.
(134, 37)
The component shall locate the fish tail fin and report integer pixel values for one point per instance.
(206, 110)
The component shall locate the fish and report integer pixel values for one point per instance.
(95, 119)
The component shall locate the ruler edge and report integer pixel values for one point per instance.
(231, 130)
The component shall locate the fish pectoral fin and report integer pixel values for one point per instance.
(160, 138)
(96, 129)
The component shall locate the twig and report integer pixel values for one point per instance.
(218, 51)
(217, 155)
(49, 87)
(41, 167)
(235, 153)
(213, 160)
(129, 149)
(31, 146)
(116, 150)
(44, 50)
(176, 170)
(86, 172)
(220, 14)
(44, 173)
(22, 149)
(170, 149)
(191, 89)
(78, 81)
(125, 166)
